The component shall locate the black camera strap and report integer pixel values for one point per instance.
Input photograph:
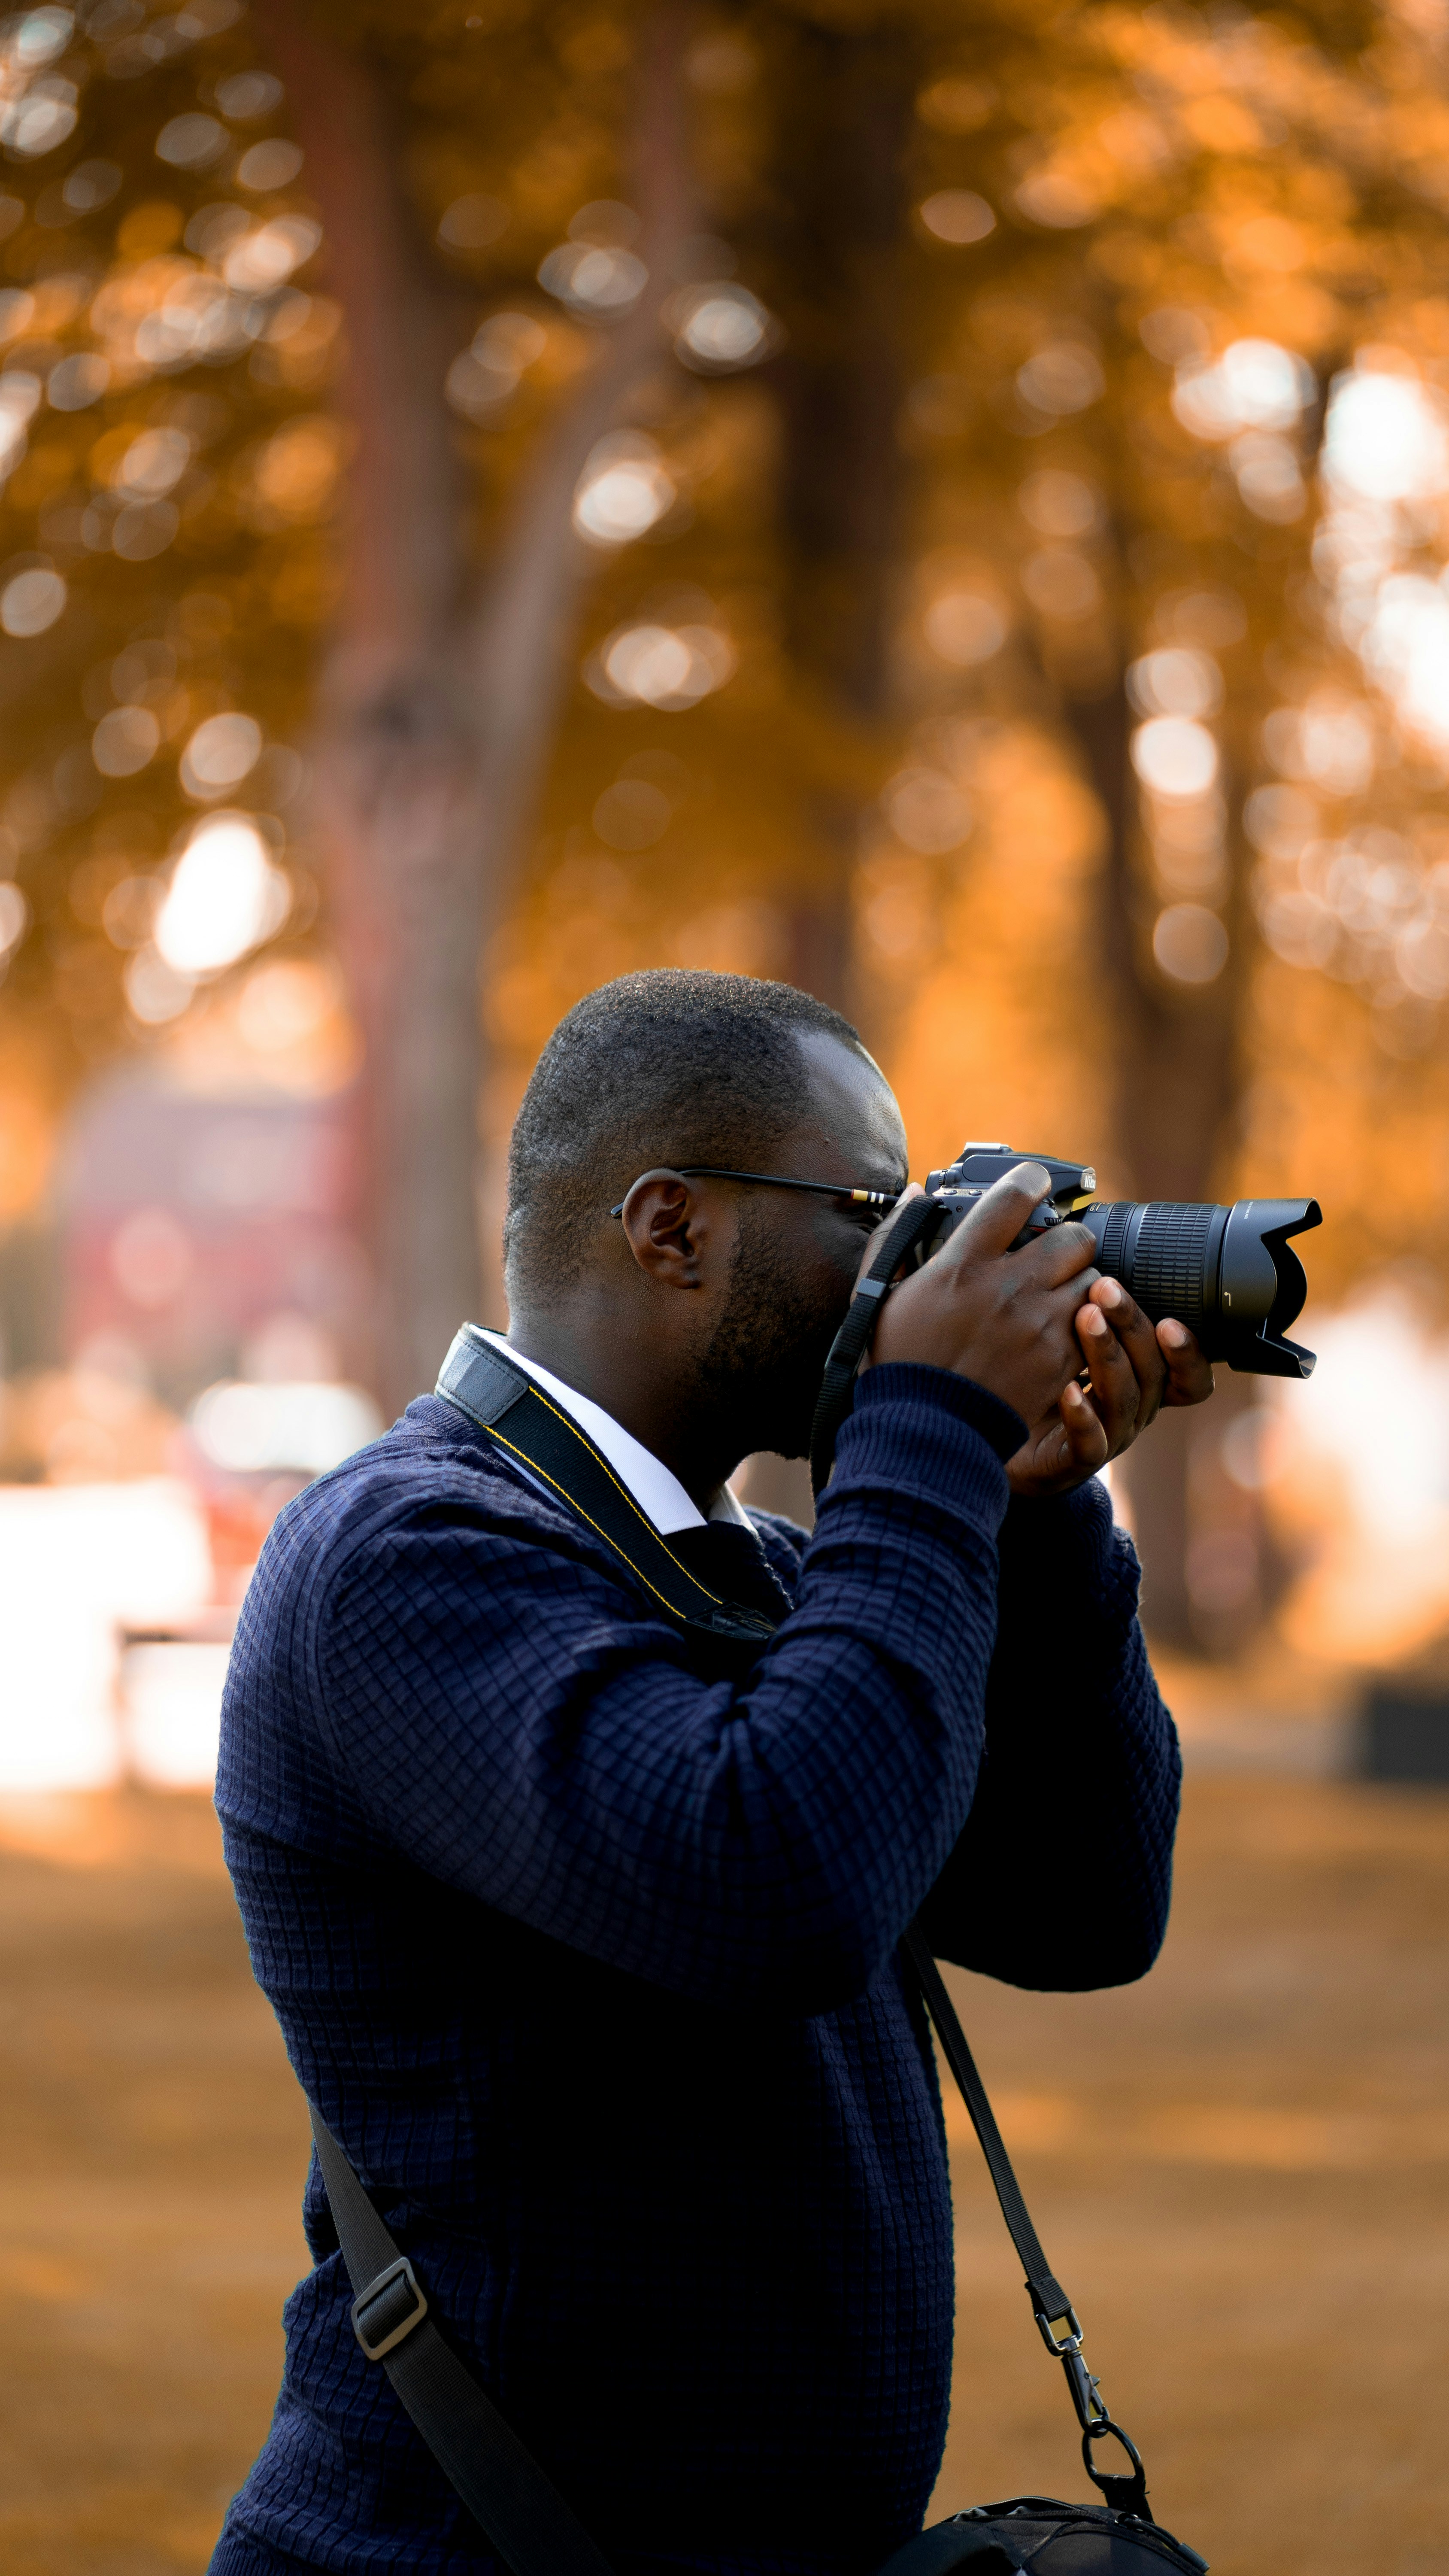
(837, 1387)
(510, 2497)
(1056, 2318)
(517, 1413)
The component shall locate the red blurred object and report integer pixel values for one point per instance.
(191, 1217)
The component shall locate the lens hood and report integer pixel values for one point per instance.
(1229, 1273)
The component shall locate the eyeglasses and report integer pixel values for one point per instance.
(779, 1181)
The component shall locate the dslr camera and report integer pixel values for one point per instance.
(1226, 1272)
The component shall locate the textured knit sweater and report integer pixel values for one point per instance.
(590, 1961)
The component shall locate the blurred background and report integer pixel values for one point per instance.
(952, 514)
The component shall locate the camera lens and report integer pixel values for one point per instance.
(1227, 1273)
(1165, 1254)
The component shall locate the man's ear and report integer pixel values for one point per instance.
(665, 1229)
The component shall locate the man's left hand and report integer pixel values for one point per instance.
(1131, 1369)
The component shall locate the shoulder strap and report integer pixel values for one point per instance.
(1056, 2318)
(513, 1409)
(1050, 2304)
(513, 2503)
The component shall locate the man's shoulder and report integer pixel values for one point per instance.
(408, 1526)
(433, 1469)
(397, 1550)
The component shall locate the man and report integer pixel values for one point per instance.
(588, 1956)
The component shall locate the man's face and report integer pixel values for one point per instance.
(795, 1257)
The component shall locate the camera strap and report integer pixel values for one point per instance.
(523, 1420)
(514, 2503)
(837, 1387)
(1056, 2318)
(510, 2497)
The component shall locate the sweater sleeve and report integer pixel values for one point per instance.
(508, 1716)
(1062, 1876)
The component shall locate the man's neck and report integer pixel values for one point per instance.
(646, 1389)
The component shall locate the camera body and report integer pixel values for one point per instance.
(1226, 1272)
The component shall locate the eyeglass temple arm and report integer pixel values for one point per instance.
(779, 1181)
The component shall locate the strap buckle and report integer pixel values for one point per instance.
(379, 2320)
(1091, 2406)
(1066, 2348)
(1071, 2341)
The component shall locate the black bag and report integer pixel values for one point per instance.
(1040, 2532)
(511, 2499)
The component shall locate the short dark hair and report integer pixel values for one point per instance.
(670, 1066)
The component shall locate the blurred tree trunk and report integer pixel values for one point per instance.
(838, 247)
(440, 698)
(841, 246)
(1176, 1086)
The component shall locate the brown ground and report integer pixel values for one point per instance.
(1239, 2168)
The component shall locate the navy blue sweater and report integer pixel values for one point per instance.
(590, 1963)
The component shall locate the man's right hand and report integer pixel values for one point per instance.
(1005, 1319)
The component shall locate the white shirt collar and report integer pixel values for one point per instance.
(654, 1488)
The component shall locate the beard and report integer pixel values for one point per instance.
(760, 1372)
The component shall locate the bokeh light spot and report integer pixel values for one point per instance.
(39, 35)
(273, 164)
(1058, 504)
(660, 666)
(1059, 199)
(225, 897)
(245, 95)
(957, 215)
(32, 601)
(152, 464)
(144, 529)
(1255, 384)
(192, 142)
(1386, 439)
(78, 381)
(1175, 682)
(155, 992)
(265, 258)
(43, 117)
(1063, 377)
(484, 376)
(220, 754)
(472, 222)
(1268, 477)
(964, 627)
(622, 491)
(124, 741)
(14, 917)
(721, 327)
(594, 279)
(1190, 943)
(1175, 756)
